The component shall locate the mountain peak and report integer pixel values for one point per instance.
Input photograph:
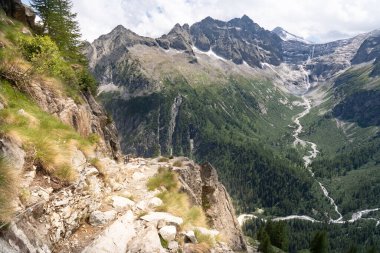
(245, 18)
(287, 36)
(120, 28)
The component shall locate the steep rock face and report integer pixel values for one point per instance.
(362, 107)
(240, 40)
(369, 49)
(202, 185)
(17, 10)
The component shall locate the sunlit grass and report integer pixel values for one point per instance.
(174, 201)
(52, 141)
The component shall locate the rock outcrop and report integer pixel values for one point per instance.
(369, 49)
(202, 185)
(17, 10)
(178, 38)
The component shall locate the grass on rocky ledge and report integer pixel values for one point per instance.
(45, 137)
(174, 201)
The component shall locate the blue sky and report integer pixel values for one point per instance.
(319, 21)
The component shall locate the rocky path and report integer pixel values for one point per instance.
(116, 222)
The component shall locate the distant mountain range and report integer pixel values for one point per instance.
(229, 92)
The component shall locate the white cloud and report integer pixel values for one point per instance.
(321, 20)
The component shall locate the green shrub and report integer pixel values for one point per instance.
(87, 81)
(209, 240)
(177, 163)
(45, 56)
(164, 178)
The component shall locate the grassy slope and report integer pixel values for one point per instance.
(46, 140)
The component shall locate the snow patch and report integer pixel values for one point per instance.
(110, 87)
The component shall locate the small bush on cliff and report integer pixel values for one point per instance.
(164, 178)
(46, 58)
(204, 238)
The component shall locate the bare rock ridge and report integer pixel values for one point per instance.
(239, 40)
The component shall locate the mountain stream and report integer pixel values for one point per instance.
(308, 158)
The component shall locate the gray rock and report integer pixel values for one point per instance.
(78, 160)
(147, 241)
(203, 185)
(115, 238)
(190, 236)
(98, 218)
(167, 217)
(168, 233)
(155, 202)
(138, 176)
(121, 203)
(12, 151)
(173, 245)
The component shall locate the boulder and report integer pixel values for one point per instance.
(173, 245)
(78, 160)
(167, 217)
(147, 241)
(205, 231)
(16, 9)
(98, 218)
(121, 203)
(115, 238)
(190, 237)
(155, 202)
(11, 149)
(168, 233)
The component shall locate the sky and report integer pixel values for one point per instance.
(315, 20)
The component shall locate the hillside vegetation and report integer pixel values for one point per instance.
(26, 59)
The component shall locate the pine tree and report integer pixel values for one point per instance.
(319, 244)
(59, 22)
(265, 245)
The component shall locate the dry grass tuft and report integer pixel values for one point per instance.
(174, 201)
(177, 163)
